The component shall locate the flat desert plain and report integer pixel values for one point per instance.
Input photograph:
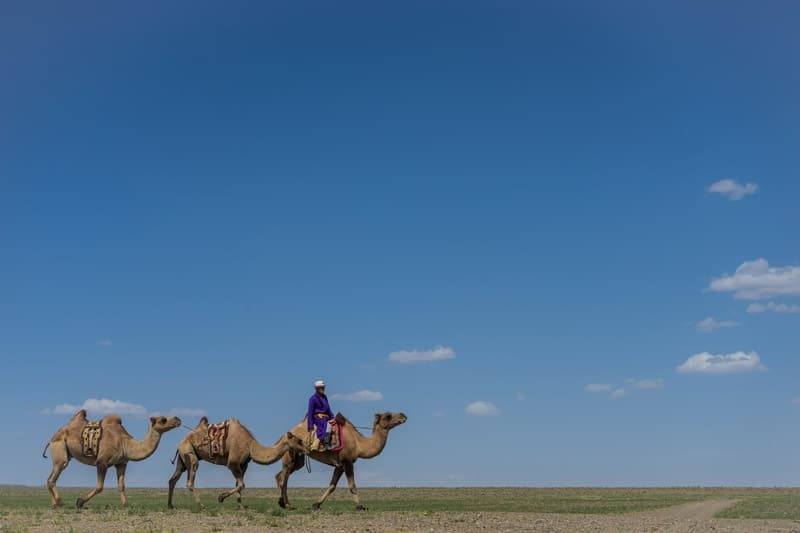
(417, 509)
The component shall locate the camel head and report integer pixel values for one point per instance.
(162, 424)
(295, 443)
(389, 421)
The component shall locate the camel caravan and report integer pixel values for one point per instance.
(321, 436)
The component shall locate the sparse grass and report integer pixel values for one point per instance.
(776, 504)
(431, 500)
(22, 507)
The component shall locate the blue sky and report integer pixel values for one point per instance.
(204, 208)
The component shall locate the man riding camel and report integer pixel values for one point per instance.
(318, 418)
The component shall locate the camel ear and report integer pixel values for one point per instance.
(153, 420)
(377, 418)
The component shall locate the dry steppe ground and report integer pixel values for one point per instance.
(419, 509)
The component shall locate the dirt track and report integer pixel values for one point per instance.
(695, 517)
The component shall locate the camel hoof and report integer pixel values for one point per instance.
(281, 503)
(360, 508)
(170, 506)
(220, 498)
(57, 504)
(79, 503)
(316, 506)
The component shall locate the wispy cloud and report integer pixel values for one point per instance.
(731, 363)
(104, 342)
(605, 388)
(598, 387)
(646, 384)
(618, 393)
(756, 280)
(707, 325)
(359, 396)
(520, 396)
(482, 408)
(773, 307)
(104, 406)
(732, 189)
(438, 353)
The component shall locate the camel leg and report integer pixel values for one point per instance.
(337, 474)
(179, 470)
(238, 474)
(194, 463)
(60, 458)
(121, 483)
(101, 479)
(351, 483)
(292, 462)
(239, 494)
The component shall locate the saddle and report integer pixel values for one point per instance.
(90, 438)
(217, 436)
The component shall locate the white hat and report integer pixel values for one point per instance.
(319, 383)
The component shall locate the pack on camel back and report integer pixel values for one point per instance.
(216, 438)
(90, 438)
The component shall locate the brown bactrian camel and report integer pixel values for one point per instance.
(116, 448)
(240, 448)
(356, 446)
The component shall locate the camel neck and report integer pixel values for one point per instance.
(137, 450)
(266, 455)
(369, 447)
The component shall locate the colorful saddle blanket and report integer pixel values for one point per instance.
(217, 437)
(336, 435)
(90, 439)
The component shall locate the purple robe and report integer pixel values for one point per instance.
(318, 403)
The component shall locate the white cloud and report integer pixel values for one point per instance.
(104, 406)
(618, 393)
(438, 353)
(101, 407)
(732, 189)
(646, 384)
(598, 387)
(774, 307)
(104, 342)
(359, 396)
(732, 363)
(796, 400)
(521, 397)
(707, 325)
(756, 280)
(481, 408)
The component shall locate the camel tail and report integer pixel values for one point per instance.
(44, 452)
(174, 457)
